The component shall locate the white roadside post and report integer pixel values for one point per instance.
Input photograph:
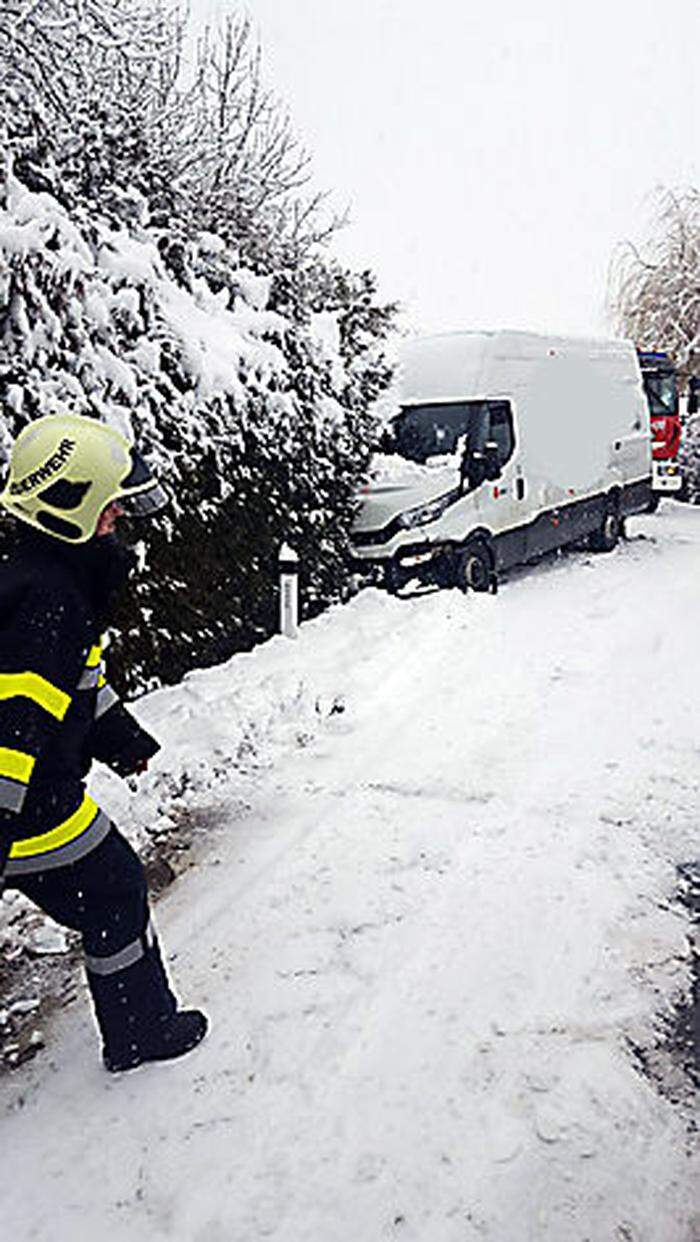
(289, 591)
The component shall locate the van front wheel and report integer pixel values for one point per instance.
(474, 568)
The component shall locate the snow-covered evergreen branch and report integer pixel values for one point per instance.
(161, 268)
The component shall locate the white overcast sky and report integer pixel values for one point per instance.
(492, 153)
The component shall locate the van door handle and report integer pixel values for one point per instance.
(519, 489)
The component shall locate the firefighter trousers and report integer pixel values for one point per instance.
(103, 895)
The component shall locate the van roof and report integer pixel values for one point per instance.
(466, 364)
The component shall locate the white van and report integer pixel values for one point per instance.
(507, 445)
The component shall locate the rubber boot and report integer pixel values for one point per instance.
(137, 1013)
(169, 1038)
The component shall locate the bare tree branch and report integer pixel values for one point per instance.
(654, 293)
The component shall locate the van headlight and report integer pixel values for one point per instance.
(426, 513)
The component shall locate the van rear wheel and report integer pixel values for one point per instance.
(474, 568)
(607, 537)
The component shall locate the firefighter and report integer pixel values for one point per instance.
(70, 479)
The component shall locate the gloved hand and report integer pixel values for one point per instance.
(132, 779)
(127, 765)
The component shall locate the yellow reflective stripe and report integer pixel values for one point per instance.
(38, 689)
(101, 681)
(16, 765)
(94, 657)
(60, 835)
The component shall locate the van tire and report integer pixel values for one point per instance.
(607, 536)
(474, 567)
(392, 578)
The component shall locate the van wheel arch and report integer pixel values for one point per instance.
(475, 565)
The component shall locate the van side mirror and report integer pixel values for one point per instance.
(492, 461)
(386, 441)
(472, 469)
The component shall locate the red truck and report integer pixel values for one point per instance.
(661, 387)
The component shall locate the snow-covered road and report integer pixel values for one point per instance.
(424, 933)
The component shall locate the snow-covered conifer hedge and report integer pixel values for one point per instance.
(163, 267)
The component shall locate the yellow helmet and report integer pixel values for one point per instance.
(65, 469)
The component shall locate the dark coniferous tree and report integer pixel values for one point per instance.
(163, 265)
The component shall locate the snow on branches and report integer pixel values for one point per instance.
(99, 104)
(655, 291)
(161, 268)
(655, 298)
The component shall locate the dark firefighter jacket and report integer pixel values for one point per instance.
(57, 710)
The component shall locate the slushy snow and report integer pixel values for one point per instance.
(432, 912)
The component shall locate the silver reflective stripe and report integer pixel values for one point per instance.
(12, 794)
(106, 698)
(88, 679)
(87, 841)
(116, 961)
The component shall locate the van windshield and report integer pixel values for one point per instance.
(423, 431)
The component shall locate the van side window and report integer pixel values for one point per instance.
(501, 429)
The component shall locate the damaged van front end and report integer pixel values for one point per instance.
(393, 542)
